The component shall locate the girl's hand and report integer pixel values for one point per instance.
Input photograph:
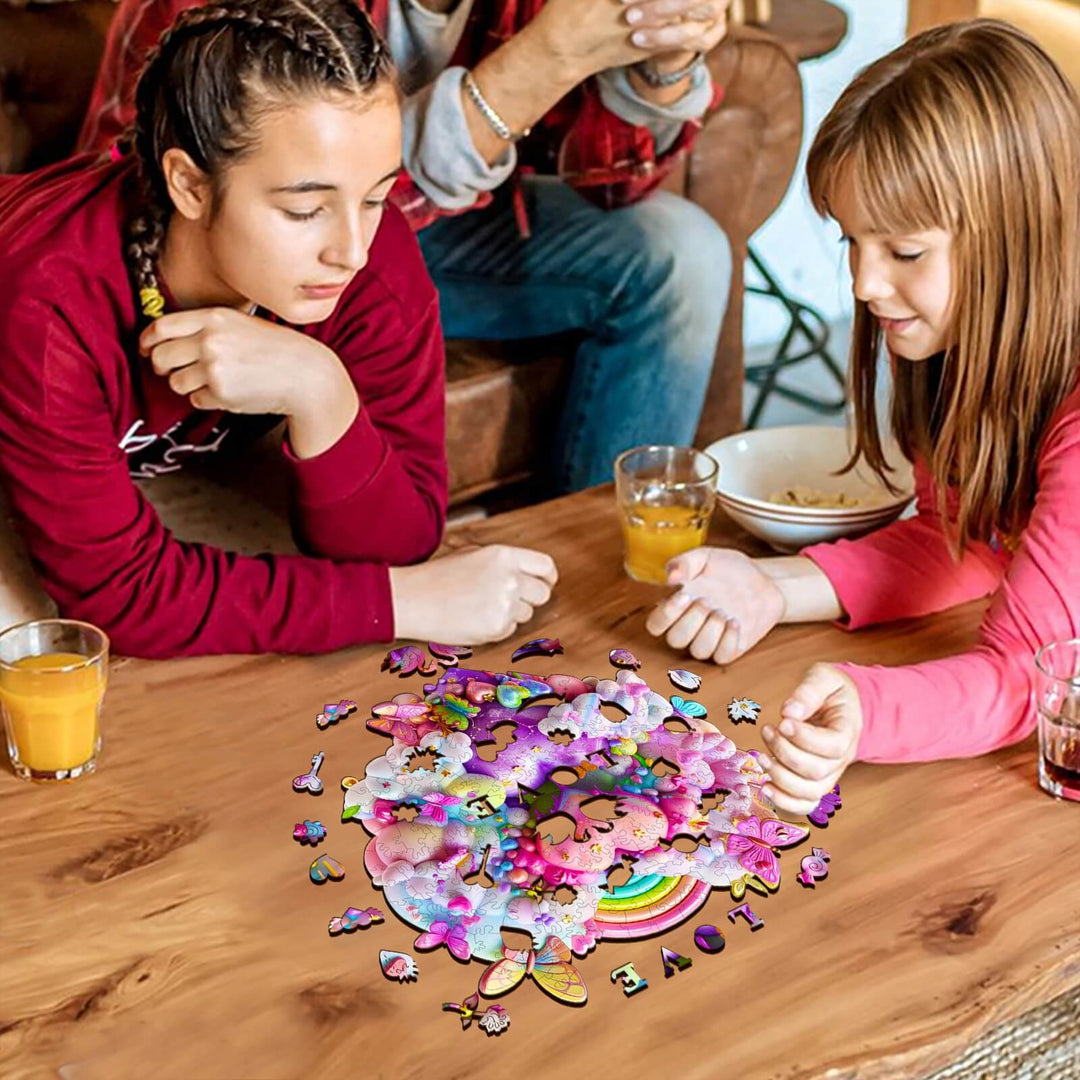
(471, 597)
(724, 607)
(820, 725)
(223, 359)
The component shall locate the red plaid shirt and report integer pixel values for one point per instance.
(610, 161)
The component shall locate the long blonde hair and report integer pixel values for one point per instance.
(970, 128)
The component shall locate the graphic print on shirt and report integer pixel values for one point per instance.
(153, 455)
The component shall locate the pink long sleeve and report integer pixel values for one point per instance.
(980, 700)
(905, 570)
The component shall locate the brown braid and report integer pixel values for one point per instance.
(200, 91)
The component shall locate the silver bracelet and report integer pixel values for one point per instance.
(497, 123)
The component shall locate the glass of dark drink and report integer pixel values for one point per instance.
(1057, 698)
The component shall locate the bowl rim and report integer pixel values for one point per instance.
(806, 515)
(828, 514)
(812, 523)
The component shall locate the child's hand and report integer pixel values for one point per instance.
(471, 597)
(820, 725)
(725, 606)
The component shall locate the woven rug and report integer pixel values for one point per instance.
(1043, 1044)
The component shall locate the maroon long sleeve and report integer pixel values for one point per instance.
(81, 411)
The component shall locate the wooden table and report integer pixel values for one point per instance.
(156, 919)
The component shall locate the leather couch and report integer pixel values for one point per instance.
(500, 397)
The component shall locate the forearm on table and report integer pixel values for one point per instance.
(808, 594)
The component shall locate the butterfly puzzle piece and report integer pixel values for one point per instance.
(687, 709)
(448, 655)
(537, 647)
(309, 832)
(549, 967)
(331, 714)
(405, 716)
(407, 660)
(743, 708)
(310, 781)
(756, 842)
(453, 712)
(398, 965)
(454, 938)
(353, 918)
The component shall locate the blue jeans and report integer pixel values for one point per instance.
(647, 285)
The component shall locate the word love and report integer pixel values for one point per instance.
(354, 918)
(814, 868)
(310, 781)
(632, 982)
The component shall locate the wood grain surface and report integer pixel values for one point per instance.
(156, 919)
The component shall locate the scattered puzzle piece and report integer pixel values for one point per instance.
(814, 868)
(398, 965)
(743, 709)
(745, 911)
(673, 962)
(325, 866)
(353, 918)
(309, 832)
(632, 982)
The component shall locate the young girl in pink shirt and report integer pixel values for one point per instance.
(952, 166)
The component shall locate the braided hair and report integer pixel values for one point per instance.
(202, 87)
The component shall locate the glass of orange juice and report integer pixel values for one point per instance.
(52, 680)
(666, 497)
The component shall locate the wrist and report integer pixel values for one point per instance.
(323, 410)
(553, 55)
(671, 61)
(400, 605)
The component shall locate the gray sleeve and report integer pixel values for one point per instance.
(438, 148)
(664, 121)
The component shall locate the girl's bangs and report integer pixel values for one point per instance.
(894, 175)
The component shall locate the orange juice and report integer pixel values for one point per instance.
(52, 715)
(655, 534)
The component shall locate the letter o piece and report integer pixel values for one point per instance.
(709, 939)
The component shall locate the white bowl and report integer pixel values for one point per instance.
(754, 464)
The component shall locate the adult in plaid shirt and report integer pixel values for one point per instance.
(535, 133)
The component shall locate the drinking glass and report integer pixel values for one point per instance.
(52, 681)
(666, 496)
(1057, 698)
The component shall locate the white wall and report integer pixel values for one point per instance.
(803, 251)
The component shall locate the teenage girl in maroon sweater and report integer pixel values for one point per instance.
(240, 267)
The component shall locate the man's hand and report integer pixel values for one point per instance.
(673, 31)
